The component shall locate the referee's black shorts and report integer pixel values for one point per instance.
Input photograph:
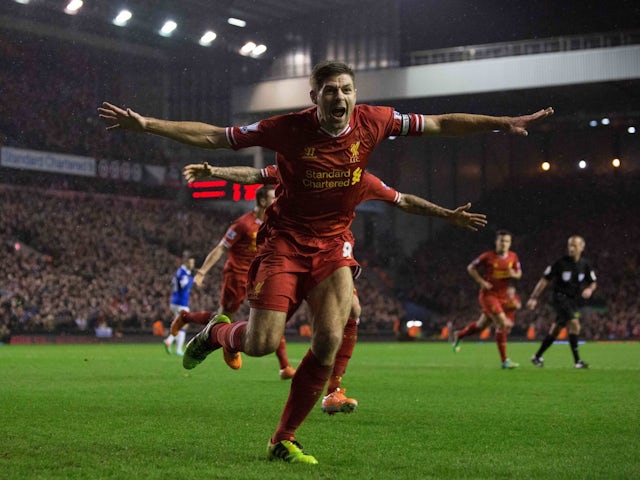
(566, 308)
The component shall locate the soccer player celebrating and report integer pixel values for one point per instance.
(574, 281)
(373, 189)
(305, 245)
(499, 267)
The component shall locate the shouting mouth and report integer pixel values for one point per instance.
(339, 112)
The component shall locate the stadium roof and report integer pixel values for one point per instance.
(422, 24)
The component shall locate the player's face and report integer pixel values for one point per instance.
(191, 262)
(335, 100)
(503, 244)
(575, 246)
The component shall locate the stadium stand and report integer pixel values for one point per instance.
(541, 219)
(73, 259)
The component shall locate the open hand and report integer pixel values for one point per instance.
(117, 118)
(196, 171)
(472, 221)
(519, 125)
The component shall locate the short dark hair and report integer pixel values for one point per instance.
(326, 69)
(503, 232)
(263, 192)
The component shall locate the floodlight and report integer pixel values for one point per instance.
(236, 22)
(207, 38)
(123, 17)
(168, 28)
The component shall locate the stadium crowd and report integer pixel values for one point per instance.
(72, 261)
(68, 89)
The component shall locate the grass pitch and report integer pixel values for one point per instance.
(132, 412)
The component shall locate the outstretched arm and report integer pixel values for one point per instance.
(459, 217)
(466, 123)
(196, 134)
(538, 289)
(212, 258)
(242, 175)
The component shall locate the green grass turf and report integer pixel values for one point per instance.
(132, 412)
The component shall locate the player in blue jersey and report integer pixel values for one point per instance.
(181, 284)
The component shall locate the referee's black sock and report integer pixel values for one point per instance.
(573, 343)
(546, 343)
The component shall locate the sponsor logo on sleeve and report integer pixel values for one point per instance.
(250, 128)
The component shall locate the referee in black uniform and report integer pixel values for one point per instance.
(573, 282)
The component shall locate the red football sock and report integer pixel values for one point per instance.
(229, 335)
(344, 354)
(306, 389)
(201, 318)
(281, 353)
(468, 330)
(501, 341)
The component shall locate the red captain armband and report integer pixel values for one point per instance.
(412, 124)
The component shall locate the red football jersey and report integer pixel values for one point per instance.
(375, 189)
(496, 270)
(240, 241)
(321, 174)
(372, 187)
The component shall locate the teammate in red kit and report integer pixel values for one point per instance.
(499, 267)
(373, 189)
(512, 304)
(305, 245)
(239, 243)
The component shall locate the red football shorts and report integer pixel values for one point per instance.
(285, 269)
(490, 304)
(234, 291)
